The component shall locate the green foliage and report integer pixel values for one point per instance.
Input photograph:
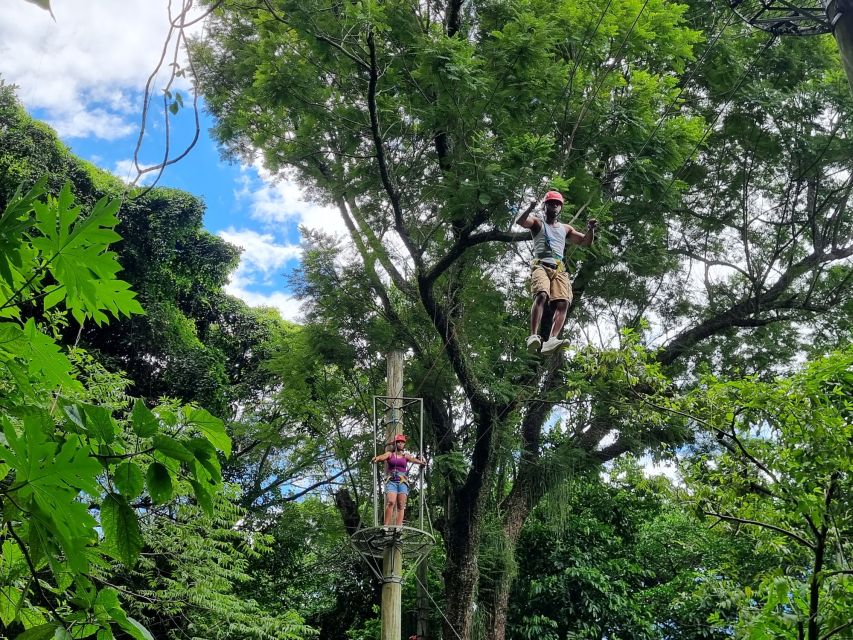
(194, 342)
(196, 579)
(61, 450)
(370, 630)
(630, 561)
(778, 473)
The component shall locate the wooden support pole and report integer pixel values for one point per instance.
(394, 414)
(392, 558)
(841, 13)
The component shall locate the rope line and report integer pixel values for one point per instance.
(567, 91)
(669, 107)
(616, 59)
(710, 126)
(429, 595)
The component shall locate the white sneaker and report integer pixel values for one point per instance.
(534, 342)
(552, 345)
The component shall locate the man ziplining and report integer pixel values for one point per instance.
(549, 279)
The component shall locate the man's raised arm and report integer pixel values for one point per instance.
(578, 238)
(526, 221)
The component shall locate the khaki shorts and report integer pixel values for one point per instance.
(555, 284)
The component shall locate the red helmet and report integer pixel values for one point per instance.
(399, 438)
(554, 195)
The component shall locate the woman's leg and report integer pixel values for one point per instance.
(401, 508)
(390, 505)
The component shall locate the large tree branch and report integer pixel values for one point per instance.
(348, 510)
(466, 241)
(746, 312)
(302, 492)
(763, 525)
(530, 484)
(483, 408)
(387, 179)
(453, 20)
(836, 630)
(378, 250)
(367, 258)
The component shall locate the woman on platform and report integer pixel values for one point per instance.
(397, 480)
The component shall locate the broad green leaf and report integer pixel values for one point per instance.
(170, 447)
(76, 416)
(62, 634)
(85, 590)
(203, 497)
(32, 617)
(80, 631)
(207, 457)
(53, 298)
(128, 624)
(100, 423)
(213, 428)
(10, 601)
(128, 479)
(159, 483)
(137, 630)
(12, 563)
(14, 222)
(75, 248)
(108, 598)
(46, 359)
(121, 528)
(144, 423)
(41, 632)
(49, 475)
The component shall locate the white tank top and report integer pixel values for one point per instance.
(549, 243)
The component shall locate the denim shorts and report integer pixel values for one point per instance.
(396, 487)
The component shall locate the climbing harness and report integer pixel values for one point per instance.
(560, 267)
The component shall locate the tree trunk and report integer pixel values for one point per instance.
(423, 600)
(462, 536)
(512, 530)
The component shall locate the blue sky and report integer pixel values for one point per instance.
(84, 74)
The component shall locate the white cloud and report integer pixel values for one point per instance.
(126, 170)
(260, 251)
(260, 259)
(288, 306)
(667, 469)
(95, 52)
(96, 122)
(273, 201)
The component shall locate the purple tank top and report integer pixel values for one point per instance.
(397, 464)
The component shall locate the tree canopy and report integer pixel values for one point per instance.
(713, 156)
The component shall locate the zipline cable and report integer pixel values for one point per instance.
(587, 39)
(608, 69)
(429, 595)
(674, 101)
(722, 109)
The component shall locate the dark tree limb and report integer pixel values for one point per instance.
(764, 525)
(467, 241)
(378, 250)
(453, 19)
(348, 510)
(388, 181)
(746, 312)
